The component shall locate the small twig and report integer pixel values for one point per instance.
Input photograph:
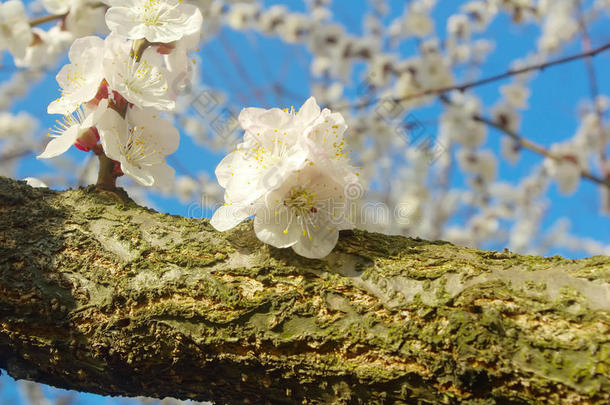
(106, 176)
(47, 18)
(52, 17)
(240, 68)
(527, 144)
(541, 150)
(591, 76)
(586, 45)
(509, 73)
(138, 47)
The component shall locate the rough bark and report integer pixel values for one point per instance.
(108, 297)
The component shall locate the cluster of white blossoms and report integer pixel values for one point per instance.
(33, 47)
(15, 32)
(293, 173)
(114, 89)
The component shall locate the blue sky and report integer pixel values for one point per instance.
(552, 115)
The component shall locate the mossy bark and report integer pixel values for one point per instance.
(105, 296)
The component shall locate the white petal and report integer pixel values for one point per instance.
(86, 46)
(62, 106)
(224, 171)
(194, 20)
(249, 116)
(94, 116)
(322, 242)
(113, 132)
(60, 144)
(57, 7)
(163, 175)
(228, 216)
(121, 21)
(159, 131)
(279, 230)
(140, 174)
(273, 118)
(34, 182)
(308, 111)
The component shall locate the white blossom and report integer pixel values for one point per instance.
(306, 212)
(34, 182)
(482, 12)
(270, 150)
(458, 123)
(142, 82)
(295, 28)
(560, 24)
(156, 20)
(482, 164)
(272, 18)
(507, 117)
(81, 78)
(45, 48)
(15, 31)
(458, 26)
(83, 17)
(289, 164)
(567, 166)
(516, 95)
(242, 16)
(75, 126)
(86, 17)
(418, 22)
(510, 149)
(57, 7)
(140, 143)
(433, 71)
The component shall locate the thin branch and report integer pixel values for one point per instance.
(591, 76)
(586, 45)
(46, 18)
(240, 68)
(52, 17)
(490, 79)
(180, 167)
(534, 147)
(539, 149)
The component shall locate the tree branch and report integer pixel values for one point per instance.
(108, 297)
(530, 145)
(539, 149)
(46, 18)
(464, 86)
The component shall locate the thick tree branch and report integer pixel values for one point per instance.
(108, 297)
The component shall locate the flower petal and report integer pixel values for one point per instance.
(228, 216)
(276, 227)
(60, 144)
(309, 111)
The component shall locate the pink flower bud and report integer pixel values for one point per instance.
(102, 93)
(116, 170)
(165, 49)
(87, 140)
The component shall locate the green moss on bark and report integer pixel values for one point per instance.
(101, 295)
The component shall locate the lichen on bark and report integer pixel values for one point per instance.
(101, 295)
